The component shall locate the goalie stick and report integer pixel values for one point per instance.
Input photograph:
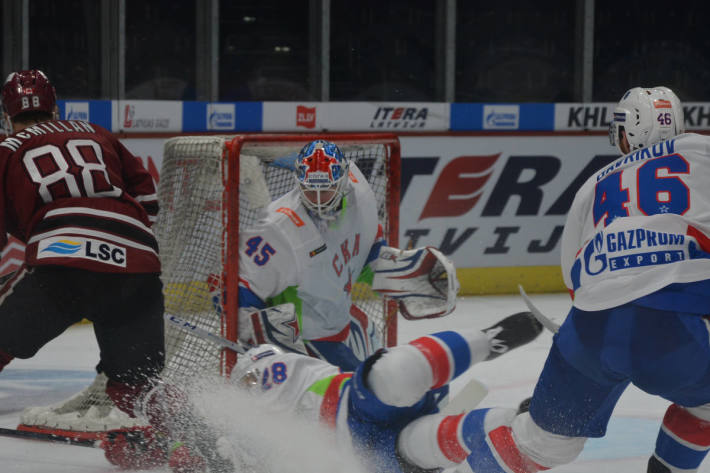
(204, 334)
(547, 322)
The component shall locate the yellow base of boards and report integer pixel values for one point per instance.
(482, 281)
(505, 280)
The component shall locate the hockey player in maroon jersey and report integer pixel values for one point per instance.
(83, 205)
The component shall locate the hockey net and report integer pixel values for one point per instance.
(210, 187)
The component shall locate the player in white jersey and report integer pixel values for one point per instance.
(387, 409)
(309, 248)
(636, 259)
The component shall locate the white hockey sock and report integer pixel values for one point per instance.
(431, 442)
(406, 372)
(401, 377)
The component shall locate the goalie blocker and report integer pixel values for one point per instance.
(422, 280)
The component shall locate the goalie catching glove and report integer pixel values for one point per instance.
(422, 280)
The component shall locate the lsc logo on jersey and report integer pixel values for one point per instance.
(84, 248)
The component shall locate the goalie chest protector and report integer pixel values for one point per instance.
(320, 260)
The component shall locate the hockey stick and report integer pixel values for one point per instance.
(64, 439)
(465, 400)
(204, 334)
(548, 323)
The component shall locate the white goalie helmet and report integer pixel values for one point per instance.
(647, 116)
(247, 372)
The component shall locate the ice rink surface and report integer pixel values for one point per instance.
(65, 366)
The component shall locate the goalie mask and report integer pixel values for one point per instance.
(647, 116)
(322, 175)
(249, 368)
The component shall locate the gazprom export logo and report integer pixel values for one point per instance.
(221, 116)
(629, 248)
(77, 111)
(501, 117)
(83, 248)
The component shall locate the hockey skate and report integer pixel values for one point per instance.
(512, 332)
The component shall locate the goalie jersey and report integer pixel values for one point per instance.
(640, 224)
(288, 256)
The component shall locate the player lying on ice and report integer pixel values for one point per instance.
(388, 406)
(301, 261)
(636, 257)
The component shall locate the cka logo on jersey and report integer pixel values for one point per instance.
(220, 116)
(83, 248)
(400, 117)
(77, 111)
(501, 117)
(613, 251)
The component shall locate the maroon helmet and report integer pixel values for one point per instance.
(27, 91)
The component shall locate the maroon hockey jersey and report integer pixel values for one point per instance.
(77, 197)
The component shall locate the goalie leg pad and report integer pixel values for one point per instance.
(423, 281)
(363, 337)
